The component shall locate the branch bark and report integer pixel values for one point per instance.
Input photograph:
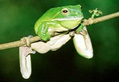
(36, 38)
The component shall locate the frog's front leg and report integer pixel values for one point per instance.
(80, 30)
(43, 31)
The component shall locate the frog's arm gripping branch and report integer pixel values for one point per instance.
(23, 41)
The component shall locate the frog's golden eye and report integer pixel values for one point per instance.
(65, 11)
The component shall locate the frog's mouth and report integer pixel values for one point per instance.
(65, 19)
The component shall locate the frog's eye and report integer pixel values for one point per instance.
(81, 7)
(65, 11)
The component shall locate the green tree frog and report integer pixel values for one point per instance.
(66, 21)
(58, 19)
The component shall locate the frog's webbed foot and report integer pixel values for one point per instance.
(82, 32)
(25, 58)
(45, 36)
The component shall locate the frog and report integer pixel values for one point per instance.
(61, 20)
(58, 19)
(66, 21)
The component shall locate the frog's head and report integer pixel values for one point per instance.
(69, 16)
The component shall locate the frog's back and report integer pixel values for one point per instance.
(47, 16)
(54, 13)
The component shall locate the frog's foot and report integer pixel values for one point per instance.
(44, 37)
(71, 34)
(25, 58)
(26, 41)
(83, 32)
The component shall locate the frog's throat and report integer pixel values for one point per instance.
(61, 19)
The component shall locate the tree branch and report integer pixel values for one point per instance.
(22, 42)
(100, 19)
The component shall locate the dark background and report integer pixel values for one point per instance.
(17, 18)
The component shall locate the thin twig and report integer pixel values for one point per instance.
(100, 19)
(36, 38)
(17, 43)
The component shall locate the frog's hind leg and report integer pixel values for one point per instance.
(53, 44)
(25, 59)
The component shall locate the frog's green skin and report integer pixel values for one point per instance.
(57, 20)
